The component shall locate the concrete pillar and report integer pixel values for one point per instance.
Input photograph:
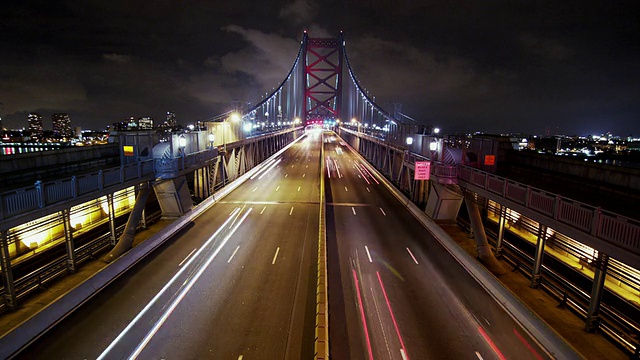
(484, 249)
(112, 219)
(501, 223)
(68, 240)
(593, 313)
(126, 239)
(174, 197)
(10, 298)
(444, 202)
(536, 271)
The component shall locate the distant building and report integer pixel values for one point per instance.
(171, 120)
(35, 126)
(145, 123)
(61, 125)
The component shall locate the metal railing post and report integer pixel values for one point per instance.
(112, 219)
(501, 224)
(536, 270)
(10, 299)
(40, 193)
(592, 322)
(68, 239)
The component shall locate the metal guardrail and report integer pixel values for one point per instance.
(615, 324)
(612, 228)
(41, 194)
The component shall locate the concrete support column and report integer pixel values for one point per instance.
(10, 298)
(68, 240)
(112, 219)
(143, 216)
(484, 249)
(501, 223)
(126, 240)
(593, 313)
(536, 271)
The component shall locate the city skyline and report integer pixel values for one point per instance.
(559, 69)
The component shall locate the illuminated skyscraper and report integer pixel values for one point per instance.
(145, 123)
(35, 125)
(61, 125)
(171, 119)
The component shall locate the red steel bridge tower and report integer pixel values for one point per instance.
(323, 74)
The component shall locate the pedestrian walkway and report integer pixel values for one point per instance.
(563, 321)
(36, 302)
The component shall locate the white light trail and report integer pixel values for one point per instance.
(167, 285)
(184, 292)
(264, 167)
(269, 169)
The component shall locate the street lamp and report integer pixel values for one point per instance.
(182, 143)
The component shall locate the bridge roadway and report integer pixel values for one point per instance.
(256, 298)
(244, 281)
(394, 291)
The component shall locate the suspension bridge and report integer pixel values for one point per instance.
(303, 226)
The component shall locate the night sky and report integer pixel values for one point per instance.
(539, 67)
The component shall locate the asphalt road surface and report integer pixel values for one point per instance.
(238, 283)
(394, 291)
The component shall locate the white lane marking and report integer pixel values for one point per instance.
(185, 259)
(275, 256)
(404, 356)
(479, 356)
(285, 175)
(337, 169)
(240, 357)
(345, 189)
(303, 175)
(368, 254)
(384, 333)
(383, 213)
(278, 188)
(299, 188)
(488, 323)
(307, 166)
(178, 299)
(234, 254)
(292, 165)
(354, 210)
(263, 209)
(375, 302)
(368, 190)
(291, 211)
(254, 190)
(359, 177)
(413, 257)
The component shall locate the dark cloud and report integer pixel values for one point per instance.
(466, 66)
